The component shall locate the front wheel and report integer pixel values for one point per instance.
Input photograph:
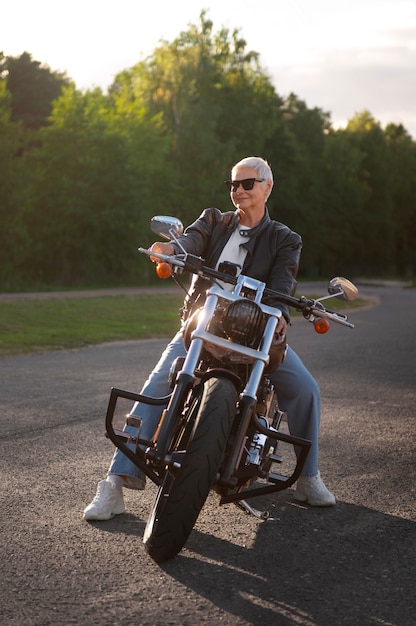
(183, 493)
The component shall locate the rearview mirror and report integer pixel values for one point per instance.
(342, 288)
(165, 226)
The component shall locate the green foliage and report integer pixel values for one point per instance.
(13, 229)
(377, 219)
(403, 152)
(217, 106)
(304, 134)
(33, 88)
(92, 183)
(83, 173)
(344, 196)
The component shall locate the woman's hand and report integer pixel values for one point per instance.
(163, 248)
(281, 327)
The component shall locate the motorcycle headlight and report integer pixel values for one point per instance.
(244, 322)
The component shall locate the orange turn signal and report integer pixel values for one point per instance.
(321, 326)
(163, 270)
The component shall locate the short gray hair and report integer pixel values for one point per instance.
(261, 166)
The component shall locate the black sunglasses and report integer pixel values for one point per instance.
(247, 183)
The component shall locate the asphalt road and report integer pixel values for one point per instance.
(353, 564)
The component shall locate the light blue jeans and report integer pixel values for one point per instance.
(297, 392)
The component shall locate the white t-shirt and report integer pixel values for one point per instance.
(233, 252)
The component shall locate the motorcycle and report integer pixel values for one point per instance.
(221, 427)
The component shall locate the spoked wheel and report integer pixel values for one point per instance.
(183, 492)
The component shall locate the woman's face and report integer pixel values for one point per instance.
(250, 201)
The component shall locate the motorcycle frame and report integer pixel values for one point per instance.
(154, 456)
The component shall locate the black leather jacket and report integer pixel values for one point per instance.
(273, 252)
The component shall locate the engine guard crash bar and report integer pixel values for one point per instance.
(120, 438)
(280, 482)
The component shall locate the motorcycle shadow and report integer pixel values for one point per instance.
(342, 565)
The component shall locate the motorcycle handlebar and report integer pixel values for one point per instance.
(304, 305)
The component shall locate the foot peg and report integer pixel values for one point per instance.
(136, 422)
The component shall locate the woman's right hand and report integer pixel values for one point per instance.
(163, 248)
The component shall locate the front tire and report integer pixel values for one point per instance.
(182, 494)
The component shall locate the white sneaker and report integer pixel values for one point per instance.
(108, 502)
(311, 489)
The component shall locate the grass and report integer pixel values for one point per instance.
(29, 326)
(54, 324)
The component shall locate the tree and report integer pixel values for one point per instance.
(377, 221)
(403, 152)
(215, 102)
(33, 87)
(300, 147)
(82, 173)
(12, 195)
(344, 193)
(94, 179)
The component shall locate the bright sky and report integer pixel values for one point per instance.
(342, 56)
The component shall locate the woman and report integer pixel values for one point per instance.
(268, 251)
